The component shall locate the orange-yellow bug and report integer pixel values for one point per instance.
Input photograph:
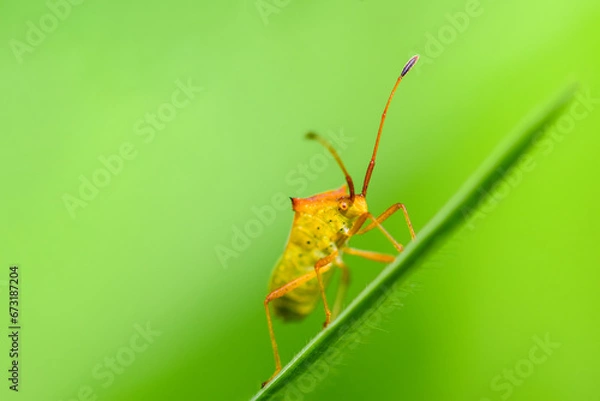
(323, 224)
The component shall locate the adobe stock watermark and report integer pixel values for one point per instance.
(263, 216)
(267, 8)
(504, 384)
(112, 165)
(457, 23)
(544, 143)
(37, 31)
(107, 371)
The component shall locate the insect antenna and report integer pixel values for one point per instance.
(324, 142)
(405, 70)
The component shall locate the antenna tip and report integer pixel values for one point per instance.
(311, 135)
(413, 60)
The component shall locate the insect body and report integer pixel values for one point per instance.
(320, 229)
(322, 226)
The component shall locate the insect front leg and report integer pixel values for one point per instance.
(385, 215)
(376, 222)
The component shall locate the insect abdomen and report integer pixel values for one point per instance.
(301, 301)
(310, 240)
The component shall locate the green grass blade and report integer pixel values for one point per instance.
(315, 360)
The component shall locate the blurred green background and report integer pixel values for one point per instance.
(82, 83)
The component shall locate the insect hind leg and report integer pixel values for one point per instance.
(280, 292)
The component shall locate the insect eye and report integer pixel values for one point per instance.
(343, 206)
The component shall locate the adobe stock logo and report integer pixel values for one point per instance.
(266, 8)
(506, 382)
(264, 216)
(37, 32)
(545, 143)
(457, 23)
(112, 165)
(115, 364)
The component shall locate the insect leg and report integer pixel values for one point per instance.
(321, 263)
(342, 288)
(384, 216)
(278, 293)
(345, 280)
(376, 256)
(377, 224)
